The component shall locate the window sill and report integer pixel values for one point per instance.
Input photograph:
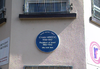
(94, 20)
(47, 15)
(2, 21)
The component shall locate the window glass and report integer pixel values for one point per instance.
(59, 67)
(28, 67)
(97, 14)
(41, 7)
(36, 7)
(97, 3)
(33, 6)
(43, 67)
(64, 6)
(49, 7)
(96, 9)
(1, 4)
(57, 6)
(51, 67)
(1, 15)
(1, 8)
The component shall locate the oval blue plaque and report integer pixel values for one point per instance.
(47, 41)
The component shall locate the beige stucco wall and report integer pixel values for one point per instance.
(6, 27)
(23, 50)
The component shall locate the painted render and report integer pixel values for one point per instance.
(23, 50)
(91, 38)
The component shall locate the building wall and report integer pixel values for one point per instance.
(23, 49)
(6, 27)
(92, 35)
(5, 66)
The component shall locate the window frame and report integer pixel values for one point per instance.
(2, 12)
(26, 5)
(49, 15)
(95, 8)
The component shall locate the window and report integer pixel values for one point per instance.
(44, 9)
(2, 8)
(48, 67)
(96, 9)
(45, 6)
(2, 12)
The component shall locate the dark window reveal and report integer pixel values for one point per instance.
(2, 12)
(2, 8)
(48, 67)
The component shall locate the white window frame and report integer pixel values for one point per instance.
(95, 8)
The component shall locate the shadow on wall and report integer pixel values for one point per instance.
(31, 54)
(24, 50)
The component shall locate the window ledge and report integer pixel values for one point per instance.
(94, 20)
(2, 20)
(47, 15)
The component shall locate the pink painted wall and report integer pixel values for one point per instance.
(23, 49)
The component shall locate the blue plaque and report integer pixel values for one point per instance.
(47, 41)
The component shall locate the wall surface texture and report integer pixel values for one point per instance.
(5, 29)
(23, 49)
(92, 40)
